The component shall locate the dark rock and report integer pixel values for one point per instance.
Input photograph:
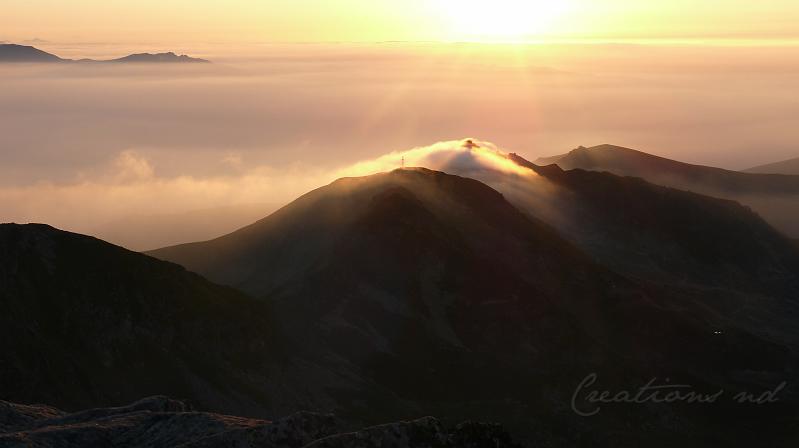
(160, 421)
(480, 435)
(425, 432)
(15, 417)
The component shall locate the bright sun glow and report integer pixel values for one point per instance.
(502, 19)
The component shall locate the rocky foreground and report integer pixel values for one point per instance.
(164, 422)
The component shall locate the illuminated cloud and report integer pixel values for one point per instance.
(82, 147)
(457, 156)
(129, 185)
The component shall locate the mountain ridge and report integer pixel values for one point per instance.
(30, 54)
(788, 167)
(24, 53)
(80, 313)
(619, 207)
(437, 284)
(774, 196)
(628, 161)
(415, 292)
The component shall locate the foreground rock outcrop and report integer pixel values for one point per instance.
(161, 422)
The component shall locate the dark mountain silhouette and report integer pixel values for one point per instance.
(85, 323)
(790, 167)
(148, 58)
(404, 294)
(435, 288)
(649, 231)
(629, 162)
(22, 53)
(160, 421)
(712, 250)
(774, 196)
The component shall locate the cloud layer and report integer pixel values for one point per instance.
(82, 146)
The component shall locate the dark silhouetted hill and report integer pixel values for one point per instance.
(412, 293)
(435, 288)
(149, 58)
(774, 196)
(23, 53)
(86, 323)
(629, 162)
(664, 234)
(160, 421)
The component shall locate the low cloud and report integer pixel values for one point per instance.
(129, 187)
(464, 157)
(84, 146)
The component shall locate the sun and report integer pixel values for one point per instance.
(502, 19)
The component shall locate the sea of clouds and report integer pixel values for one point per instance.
(95, 148)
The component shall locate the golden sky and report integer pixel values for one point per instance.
(379, 20)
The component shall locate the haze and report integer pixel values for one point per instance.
(85, 146)
(236, 21)
(303, 92)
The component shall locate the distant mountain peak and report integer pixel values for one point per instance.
(169, 57)
(790, 167)
(29, 54)
(25, 53)
(756, 188)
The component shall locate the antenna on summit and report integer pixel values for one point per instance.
(469, 144)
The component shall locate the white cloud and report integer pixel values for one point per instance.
(456, 156)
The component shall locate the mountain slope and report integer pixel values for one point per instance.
(23, 53)
(85, 323)
(629, 162)
(774, 196)
(707, 250)
(695, 248)
(790, 167)
(665, 234)
(437, 289)
(259, 258)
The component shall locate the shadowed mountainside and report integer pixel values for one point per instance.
(85, 323)
(662, 234)
(710, 251)
(387, 298)
(629, 162)
(436, 288)
(774, 196)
